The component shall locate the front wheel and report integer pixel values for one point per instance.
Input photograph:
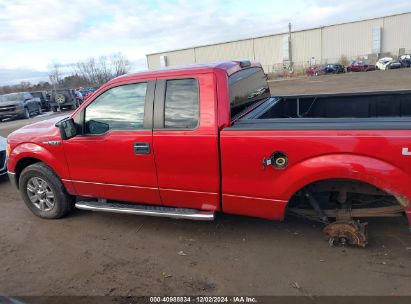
(44, 193)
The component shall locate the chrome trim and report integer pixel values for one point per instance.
(196, 215)
(52, 142)
(406, 152)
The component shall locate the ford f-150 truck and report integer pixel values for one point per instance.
(190, 142)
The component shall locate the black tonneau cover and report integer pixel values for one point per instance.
(336, 111)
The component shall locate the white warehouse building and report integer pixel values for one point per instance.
(363, 39)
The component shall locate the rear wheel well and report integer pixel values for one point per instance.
(24, 163)
(332, 194)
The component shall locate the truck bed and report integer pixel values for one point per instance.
(387, 110)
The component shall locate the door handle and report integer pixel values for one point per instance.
(141, 148)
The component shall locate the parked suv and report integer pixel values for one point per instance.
(43, 99)
(21, 104)
(63, 99)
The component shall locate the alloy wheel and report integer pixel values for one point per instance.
(40, 194)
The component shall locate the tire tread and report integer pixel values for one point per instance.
(65, 200)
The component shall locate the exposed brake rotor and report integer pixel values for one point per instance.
(344, 231)
(351, 232)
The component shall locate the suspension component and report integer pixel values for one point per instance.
(316, 206)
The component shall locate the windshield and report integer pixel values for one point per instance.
(10, 97)
(247, 87)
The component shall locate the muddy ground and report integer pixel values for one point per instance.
(110, 254)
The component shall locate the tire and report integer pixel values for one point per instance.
(57, 203)
(60, 98)
(26, 114)
(54, 109)
(39, 110)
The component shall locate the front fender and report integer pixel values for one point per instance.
(345, 166)
(53, 156)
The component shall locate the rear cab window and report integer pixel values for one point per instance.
(181, 104)
(247, 88)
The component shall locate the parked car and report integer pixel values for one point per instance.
(387, 63)
(360, 66)
(45, 105)
(222, 144)
(405, 60)
(315, 70)
(3, 145)
(87, 92)
(21, 105)
(334, 68)
(63, 99)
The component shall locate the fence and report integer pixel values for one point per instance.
(278, 70)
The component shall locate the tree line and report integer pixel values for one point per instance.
(92, 72)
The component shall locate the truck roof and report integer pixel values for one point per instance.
(229, 67)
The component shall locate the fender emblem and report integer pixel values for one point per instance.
(406, 152)
(52, 142)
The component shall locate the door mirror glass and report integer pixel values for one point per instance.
(67, 128)
(97, 127)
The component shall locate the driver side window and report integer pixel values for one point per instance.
(119, 108)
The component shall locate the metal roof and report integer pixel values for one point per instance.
(228, 66)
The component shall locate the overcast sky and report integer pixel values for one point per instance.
(37, 33)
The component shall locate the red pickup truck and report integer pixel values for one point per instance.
(190, 142)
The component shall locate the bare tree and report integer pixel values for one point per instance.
(91, 72)
(120, 64)
(25, 85)
(97, 71)
(55, 75)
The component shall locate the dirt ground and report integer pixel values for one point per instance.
(110, 254)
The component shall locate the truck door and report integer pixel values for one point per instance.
(185, 139)
(113, 157)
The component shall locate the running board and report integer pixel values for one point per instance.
(150, 210)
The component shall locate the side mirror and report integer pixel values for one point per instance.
(67, 128)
